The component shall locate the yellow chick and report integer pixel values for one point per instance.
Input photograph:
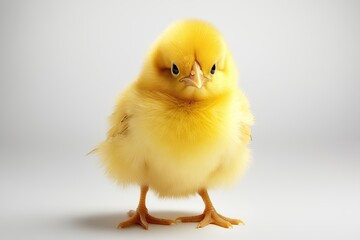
(183, 126)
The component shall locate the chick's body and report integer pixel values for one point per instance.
(174, 147)
(174, 137)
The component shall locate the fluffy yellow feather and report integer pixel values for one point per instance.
(183, 125)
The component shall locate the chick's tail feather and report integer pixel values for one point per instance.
(94, 151)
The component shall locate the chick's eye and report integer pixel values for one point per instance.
(212, 71)
(175, 70)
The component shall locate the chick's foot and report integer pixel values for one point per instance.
(211, 216)
(143, 218)
(141, 215)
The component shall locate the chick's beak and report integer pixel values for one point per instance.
(196, 77)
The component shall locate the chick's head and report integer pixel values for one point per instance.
(191, 61)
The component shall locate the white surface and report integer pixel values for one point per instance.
(62, 64)
(295, 194)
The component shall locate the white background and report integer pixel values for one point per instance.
(62, 64)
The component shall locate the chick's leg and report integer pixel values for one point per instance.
(141, 215)
(210, 215)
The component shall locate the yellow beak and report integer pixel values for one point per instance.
(196, 77)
